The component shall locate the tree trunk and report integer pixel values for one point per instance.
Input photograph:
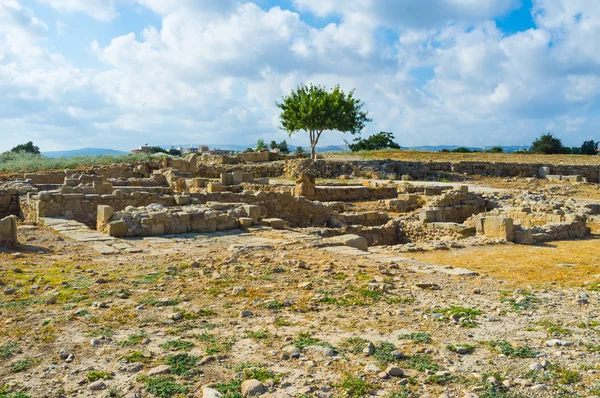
(313, 153)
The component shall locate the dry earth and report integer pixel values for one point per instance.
(214, 310)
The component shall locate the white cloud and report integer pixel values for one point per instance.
(212, 71)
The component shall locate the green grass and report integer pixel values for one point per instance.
(136, 356)
(177, 345)
(22, 365)
(95, 375)
(274, 305)
(419, 337)
(258, 335)
(304, 339)
(183, 364)
(231, 389)
(261, 375)
(133, 339)
(8, 350)
(215, 345)
(422, 362)
(527, 301)
(383, 353)
(554, 329)
(504, 347)
(164, 387)
(355, 345)
(355, 387)
(469, 347)
(29, 162)
(159, 303)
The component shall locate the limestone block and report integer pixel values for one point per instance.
(262, 181)
(238, 176)
(524, 236)
(543, 171)
(8, 231)
(226, 179)
(355, 241)
(499, 227)
(117, 228)
(247, 177)
(183, 200)
(275, 223)
(214, 187)
(427, 216)
(245, 222)
(252, 211)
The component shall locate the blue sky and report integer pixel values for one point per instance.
(119, 73)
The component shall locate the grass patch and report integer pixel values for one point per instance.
(159, 303)
(355, 345)
(164, 387)
(526, 301)
(422, 362)
(133, 339)
(469, 347)
(8, 350)
(136, 356)
(258, 335)
(31, 162)
(554, 329)
(177, 345)
(183, 364)
(22, 365)
(504, 347)
(304, 339)
(95, 375)
(215, 345)
(355, 387)
(262, 375)
(419, 337)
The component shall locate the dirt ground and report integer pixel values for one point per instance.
(304, 321)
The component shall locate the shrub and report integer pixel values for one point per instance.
(547, 144)
(496, 149)
(383, 140)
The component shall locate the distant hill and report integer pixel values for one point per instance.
(82, 152)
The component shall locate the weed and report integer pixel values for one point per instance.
(95, 375)
(274, 305)
(463, 312)
(261, 375)
(355, 387)
(400, 300)
(258, 335)
(164, 387)
(469, 347)
(384, 353)
(554, 329)
(504, 347)
(136, 356)
(422, 362)
(206, 312)
(133, 339)
(8, 350)
(230, 388)
(159, 303)
(106, 332)
(177, 345)
(419, 337)
(526, 301)
(282, 322)
(22, 365)
(355, 344)
(304, 339)
(183, 364)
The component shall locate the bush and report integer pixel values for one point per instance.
(461, 149)
(547, 144)
(589, 148)
(300, 150)
(496, 149)
(260, 145)
(383, 140)
(28, 148)
(283, 147)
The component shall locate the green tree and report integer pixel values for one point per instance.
(174, 152)
(283, 147)
(461, 149)
(314, 109)
(260, 145)
(300, 150)
(29, 148)
(273, 145)
(589, 147)
(547, 144)
(157, 149)
(496, 149)
(375, 142)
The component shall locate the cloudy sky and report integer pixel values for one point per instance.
(120, 73)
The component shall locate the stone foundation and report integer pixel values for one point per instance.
(8, 231)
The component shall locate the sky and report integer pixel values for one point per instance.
(122, 73)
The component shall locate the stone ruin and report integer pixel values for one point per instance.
(201, 195)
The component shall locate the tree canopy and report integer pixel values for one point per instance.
(547, 144)
(28, 147)
(314, 109)
(383, 140)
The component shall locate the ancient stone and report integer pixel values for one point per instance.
(8, 231)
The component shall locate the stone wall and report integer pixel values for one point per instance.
(382, 235)
(349, 193)
(259, 170)
(297, 211)
(454, 206)
(156, 220)
(369, 218)
(8, 231)
(9, 202)
(392, 169)
(83, 207)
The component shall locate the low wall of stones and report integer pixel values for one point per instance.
(454, 206)
(561, 231)
(392, 169)
(57, 177)
(370, 218)
(9, 202)
(83, 207)
(259, 170)
(297, 211)
(403, 204)
(412, 231)
(384, 235)
(156, 220)
(348, 194)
